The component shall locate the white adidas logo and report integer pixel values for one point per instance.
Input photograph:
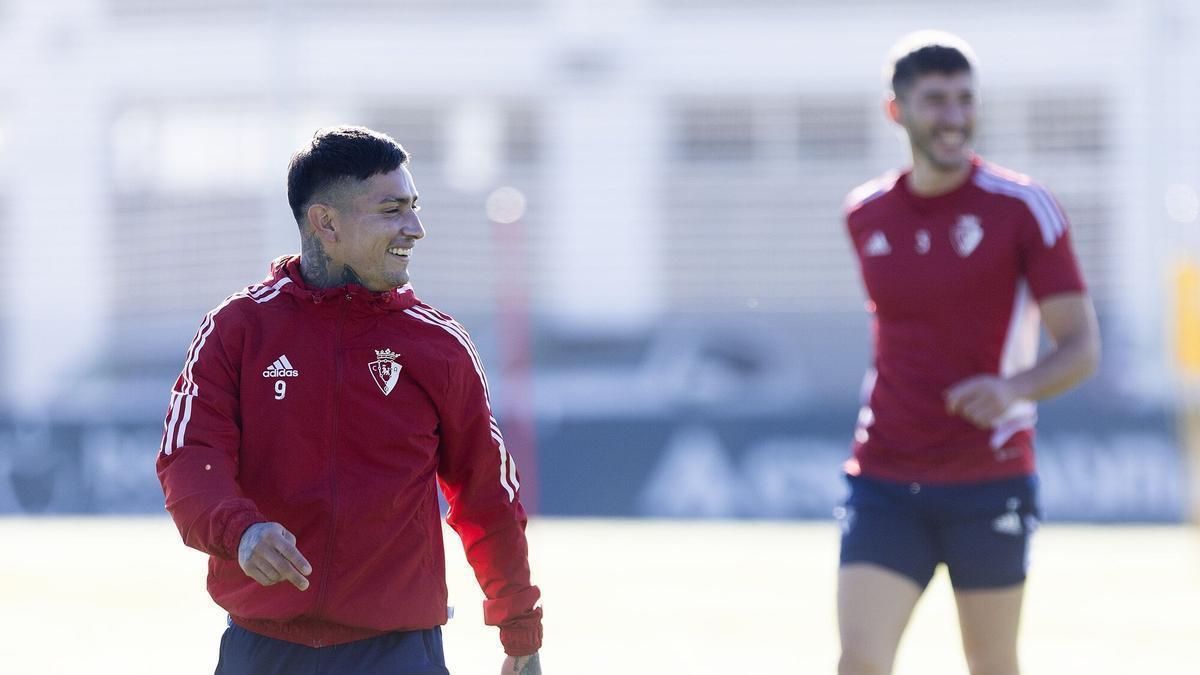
(877, 245)
(281, 368)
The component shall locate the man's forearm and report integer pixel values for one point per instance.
(1071, 362)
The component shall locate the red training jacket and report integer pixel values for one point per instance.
(332, 412)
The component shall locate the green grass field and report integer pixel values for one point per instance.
(123, 595)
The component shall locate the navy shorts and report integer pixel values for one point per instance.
(415, 652)
(981, 531)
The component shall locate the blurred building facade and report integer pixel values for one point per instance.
(682, 257)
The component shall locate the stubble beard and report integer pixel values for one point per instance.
(925, 147)
(400, 279)
(389, 282)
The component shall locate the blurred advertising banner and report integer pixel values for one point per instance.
(1112, 467)
(775, 468)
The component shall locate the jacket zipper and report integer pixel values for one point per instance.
(333, 495)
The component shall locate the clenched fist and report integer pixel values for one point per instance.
(982, 399)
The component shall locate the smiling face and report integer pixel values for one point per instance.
(938, 113)
(372, 229)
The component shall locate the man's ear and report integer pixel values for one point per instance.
(321, 220)
(891, 108)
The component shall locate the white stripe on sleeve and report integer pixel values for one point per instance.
(181, 406)
(165, 446)
(508, 468)
(1038, 200)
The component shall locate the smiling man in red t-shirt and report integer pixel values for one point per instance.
(959, 258)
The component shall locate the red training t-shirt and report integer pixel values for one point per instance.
(952, 283)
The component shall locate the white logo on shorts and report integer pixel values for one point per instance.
(845, 517)
(1010, 522)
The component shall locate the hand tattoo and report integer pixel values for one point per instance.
(532, 667)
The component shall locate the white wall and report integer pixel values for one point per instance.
(600, 74)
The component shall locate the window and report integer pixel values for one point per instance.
(1068, 125)
(753, 198)
(829, 129)
(714, 132)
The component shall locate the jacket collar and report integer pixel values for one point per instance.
(288, 266)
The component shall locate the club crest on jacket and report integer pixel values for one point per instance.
(966, 234)
(385, 370)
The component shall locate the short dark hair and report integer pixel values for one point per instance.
(927, 52)
(334, 156)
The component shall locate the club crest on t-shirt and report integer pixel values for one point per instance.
(385, 370)
(966, 234)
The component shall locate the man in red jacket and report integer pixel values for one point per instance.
(315, 415)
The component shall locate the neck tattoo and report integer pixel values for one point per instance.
(349, 276)
(315, 264)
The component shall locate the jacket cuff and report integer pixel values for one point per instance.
(522, 637)
(235, 527)
(500, 611)
(520, 621)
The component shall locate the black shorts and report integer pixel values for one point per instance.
(981, 531)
